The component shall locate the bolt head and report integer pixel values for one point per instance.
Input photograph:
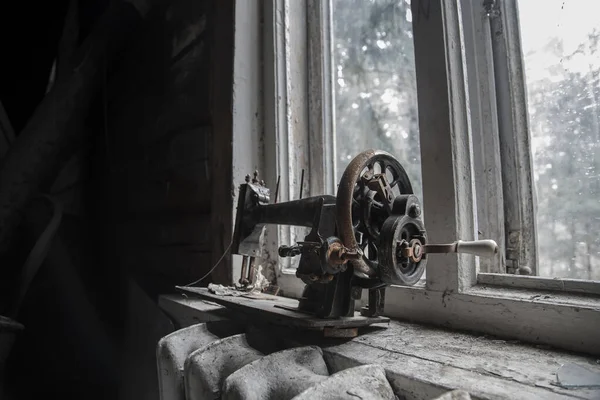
(414, 211)
(417, 249)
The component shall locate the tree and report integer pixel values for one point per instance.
(375, 88)
(564, 120)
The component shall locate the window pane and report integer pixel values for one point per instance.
(561, 47)
(375, 87)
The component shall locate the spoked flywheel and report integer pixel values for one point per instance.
(378, 215)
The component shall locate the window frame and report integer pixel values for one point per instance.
(514, 134)
(295, 34)
(456, 294)
(532, 309)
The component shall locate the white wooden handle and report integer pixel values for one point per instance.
(481, 248)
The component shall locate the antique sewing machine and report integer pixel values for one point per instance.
(369, 236)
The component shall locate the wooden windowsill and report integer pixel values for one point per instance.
(423, 362)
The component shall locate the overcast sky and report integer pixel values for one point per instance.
(570, 20)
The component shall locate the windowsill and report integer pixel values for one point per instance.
(423, 362)
(565, 285)
(533, 314)
(541, 296)
(562, 320)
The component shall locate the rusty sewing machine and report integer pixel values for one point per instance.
(371, 235)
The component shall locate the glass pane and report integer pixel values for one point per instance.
(375, 88)
(561, 47)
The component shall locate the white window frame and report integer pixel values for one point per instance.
(503, 42)
(559, 312)
(532, 309)
(299, 114)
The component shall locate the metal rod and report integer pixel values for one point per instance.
(301, 182)
(244, 272)
(251, 270)
(277, 189)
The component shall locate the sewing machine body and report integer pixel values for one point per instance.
(369, 236)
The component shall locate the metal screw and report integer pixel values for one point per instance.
(414, 211)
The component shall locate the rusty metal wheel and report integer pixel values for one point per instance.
(396, 267)
(362, 208)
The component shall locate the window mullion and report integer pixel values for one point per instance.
(286, 138)
(276, 104)
(515, 150)
(484, 122)
(448, 186)
(321, 116)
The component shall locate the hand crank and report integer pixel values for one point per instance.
(415, 250)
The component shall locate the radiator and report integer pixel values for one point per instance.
(220, 360)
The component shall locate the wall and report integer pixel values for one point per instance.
(170, 152)
(171, 156)
(159, 128)
(141, 198)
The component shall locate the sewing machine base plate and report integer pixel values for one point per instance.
(282, 311)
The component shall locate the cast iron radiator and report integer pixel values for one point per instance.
(221, 360)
